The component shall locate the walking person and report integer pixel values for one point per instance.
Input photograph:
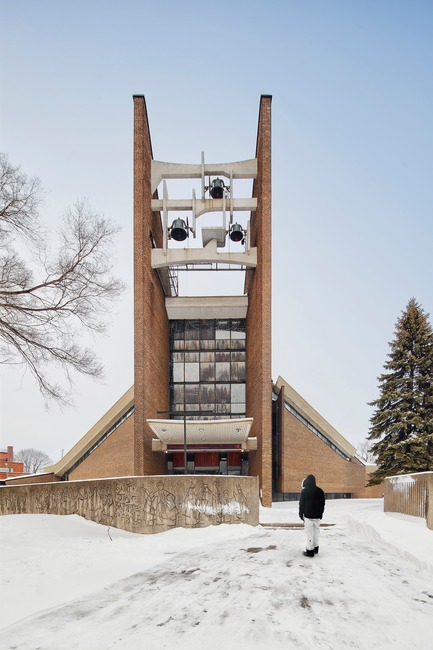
(311, 507)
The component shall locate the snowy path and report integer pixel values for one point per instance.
(257, 591)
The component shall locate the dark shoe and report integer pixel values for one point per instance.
(308, 553)
(316, 550)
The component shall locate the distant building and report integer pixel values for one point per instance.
(203, 400)
(8, 467)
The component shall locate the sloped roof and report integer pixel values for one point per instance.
(92, 436)
(309, 413)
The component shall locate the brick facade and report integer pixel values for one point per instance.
(8, 466)
(114, 457)
(151, 326)
(258, 288)
(304, 453)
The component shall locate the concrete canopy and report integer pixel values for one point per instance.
(203, 432)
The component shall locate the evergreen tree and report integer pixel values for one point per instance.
(402, 423)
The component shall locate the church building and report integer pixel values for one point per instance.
(203, 399)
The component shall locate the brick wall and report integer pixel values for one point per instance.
(372, 491)
(258, 287)
(114, 457)
(151, 328)
(5, 467)
(304, 453)
(7, 463)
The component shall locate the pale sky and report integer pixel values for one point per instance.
(352, 167)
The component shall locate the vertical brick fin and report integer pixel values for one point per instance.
(258, 287)
(151, 331)
(280, 424)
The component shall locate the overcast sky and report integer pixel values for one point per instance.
(352, 167)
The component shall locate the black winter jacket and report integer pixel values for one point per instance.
(312, 501)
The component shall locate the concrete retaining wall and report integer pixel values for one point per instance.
(143, 504)
(410, 494)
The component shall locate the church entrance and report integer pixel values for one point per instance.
(229, 463)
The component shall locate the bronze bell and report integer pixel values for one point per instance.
(217, 189)
(236, 232)
(178, 230)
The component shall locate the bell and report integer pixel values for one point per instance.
(178, 230)
(217, 189)
(236, 233)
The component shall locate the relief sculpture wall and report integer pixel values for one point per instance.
(149, 504)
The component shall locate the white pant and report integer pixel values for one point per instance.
(312, 531)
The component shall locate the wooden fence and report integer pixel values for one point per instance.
(410, 494)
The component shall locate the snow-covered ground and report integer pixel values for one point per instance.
(68, 583)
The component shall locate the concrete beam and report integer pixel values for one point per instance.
(206, 255)
(241, 169)
(204, 307)
(202, 207)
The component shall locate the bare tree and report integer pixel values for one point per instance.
(33, 460)
(47, 304)
(365, 453)
(20, 198)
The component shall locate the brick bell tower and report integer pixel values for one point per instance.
(202, 363)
